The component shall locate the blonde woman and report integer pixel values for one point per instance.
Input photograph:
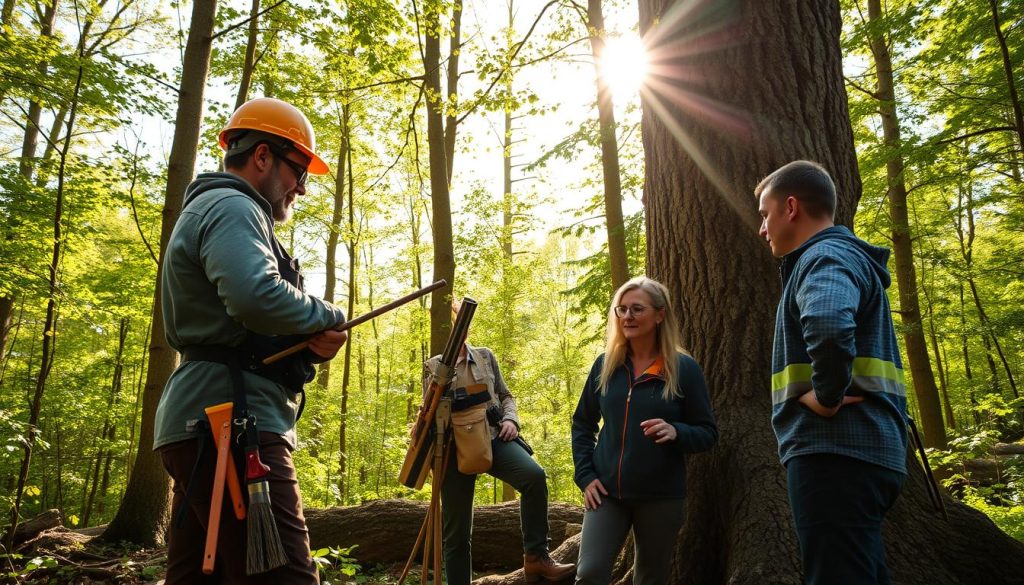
(654, 403)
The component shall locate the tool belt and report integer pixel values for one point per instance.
(292, 372)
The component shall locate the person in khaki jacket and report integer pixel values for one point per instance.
(511, 463)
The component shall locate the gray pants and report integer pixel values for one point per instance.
(655, 525)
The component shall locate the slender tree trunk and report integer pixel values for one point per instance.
(707, 144)
(142, 515)
(968, 374)
(103, 454)
(29, 143)
(452, 98)
(250, 55)
(101, 504)
(1011, 79)
(90, 497)
(129, 461)
(902, 243)
(353, 262)
(444, 249)
(989, 332)
(966, 235)
(508, 197)
(50, 325)
(6, 322)
(947, 407)
(7, 13)
(609, 151)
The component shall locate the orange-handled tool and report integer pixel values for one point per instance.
(218, 415)
(223, 434)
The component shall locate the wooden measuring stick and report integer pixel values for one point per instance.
(362, 319)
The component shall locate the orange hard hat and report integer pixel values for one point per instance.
(279, 118)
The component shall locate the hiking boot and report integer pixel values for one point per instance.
(542, 566)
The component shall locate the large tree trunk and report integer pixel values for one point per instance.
(902, 243)
(142, 515)
(731, 101)
(444, 249)
(614, 224)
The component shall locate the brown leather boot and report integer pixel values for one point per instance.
(542, 566)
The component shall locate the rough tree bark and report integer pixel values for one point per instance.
(142, 515)
(740, 88)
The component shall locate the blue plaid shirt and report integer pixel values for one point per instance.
(834, 335)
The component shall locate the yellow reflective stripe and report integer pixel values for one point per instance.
(862, 367)
(874, 367)
(791, 374)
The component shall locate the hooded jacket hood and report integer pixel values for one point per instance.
(838, 235)
(209, 181)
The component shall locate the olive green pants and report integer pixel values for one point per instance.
(513, 465)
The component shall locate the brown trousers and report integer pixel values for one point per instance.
(187, 542)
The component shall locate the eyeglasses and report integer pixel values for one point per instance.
(301, 172)
(636, 310)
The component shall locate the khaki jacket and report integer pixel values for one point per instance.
(485, 370)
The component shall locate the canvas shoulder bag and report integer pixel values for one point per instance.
(470, 428)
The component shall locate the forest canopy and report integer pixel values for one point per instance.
(544, 222)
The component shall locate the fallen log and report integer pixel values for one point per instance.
(385, 531)
(31, 528)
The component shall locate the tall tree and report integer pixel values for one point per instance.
(925, 390)
(614, 223)
(249, 62)
(444, 249)
(29, 143)
(142, 515)
(50, 325)
(730, 100)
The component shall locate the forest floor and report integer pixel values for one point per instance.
(60, 556)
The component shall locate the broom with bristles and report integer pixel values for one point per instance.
(264, 551)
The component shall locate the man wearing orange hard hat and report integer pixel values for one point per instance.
(231, 296)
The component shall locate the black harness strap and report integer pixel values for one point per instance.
(202, 427)
(237, 359)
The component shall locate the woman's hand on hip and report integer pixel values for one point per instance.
(592, 494)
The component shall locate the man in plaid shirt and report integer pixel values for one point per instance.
(838, 395)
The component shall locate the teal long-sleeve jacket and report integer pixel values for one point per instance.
(220, 281)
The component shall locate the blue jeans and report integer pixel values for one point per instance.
(838, 505)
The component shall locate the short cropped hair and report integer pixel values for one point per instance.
(241, 144)
(806, 180)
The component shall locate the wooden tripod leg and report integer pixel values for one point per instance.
(437, 545)
(415, 549)
(427, 542)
